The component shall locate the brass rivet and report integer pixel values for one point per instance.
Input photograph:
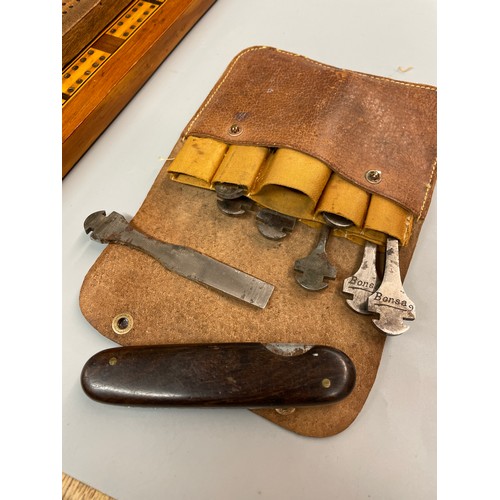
(373, 176)
(122, 323)
(235, 130)
(112, 361)
(285, 411)
(326, 383)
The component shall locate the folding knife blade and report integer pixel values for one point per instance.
(249, 375)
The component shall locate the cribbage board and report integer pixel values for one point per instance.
(111, 66)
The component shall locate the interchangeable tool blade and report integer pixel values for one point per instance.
(231, 199)
(182, 260)
(232, 207)
(273, 225)
(237, 206)
(364, 282)
(390, 300)
(311, 271)
(227, 191)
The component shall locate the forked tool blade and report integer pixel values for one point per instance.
(390, 300)
(362, 284)
(182, 260)
(312, 270)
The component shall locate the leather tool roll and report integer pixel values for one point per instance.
(302, 137)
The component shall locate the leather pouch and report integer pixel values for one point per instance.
(297, 130)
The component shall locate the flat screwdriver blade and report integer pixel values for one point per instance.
(203, 269)
(182, 260)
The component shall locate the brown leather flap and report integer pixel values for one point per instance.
(351, 121)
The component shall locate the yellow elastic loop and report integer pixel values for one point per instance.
(291, 183)
(241, 165)
(390, 218)
(343, 198)
(197, 161)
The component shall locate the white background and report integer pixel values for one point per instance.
(389, 451)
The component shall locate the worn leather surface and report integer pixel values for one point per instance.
(167, 308)
(351, 121)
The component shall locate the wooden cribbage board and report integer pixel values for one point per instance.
(114, 60)
(84, 20)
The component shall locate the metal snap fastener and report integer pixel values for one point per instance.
(235, 130)
(373, 176)
(122, 323)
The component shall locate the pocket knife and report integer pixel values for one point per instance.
(250, 375)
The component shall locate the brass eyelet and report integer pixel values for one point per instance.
(122, 323)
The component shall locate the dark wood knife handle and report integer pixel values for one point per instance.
(232, 374)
